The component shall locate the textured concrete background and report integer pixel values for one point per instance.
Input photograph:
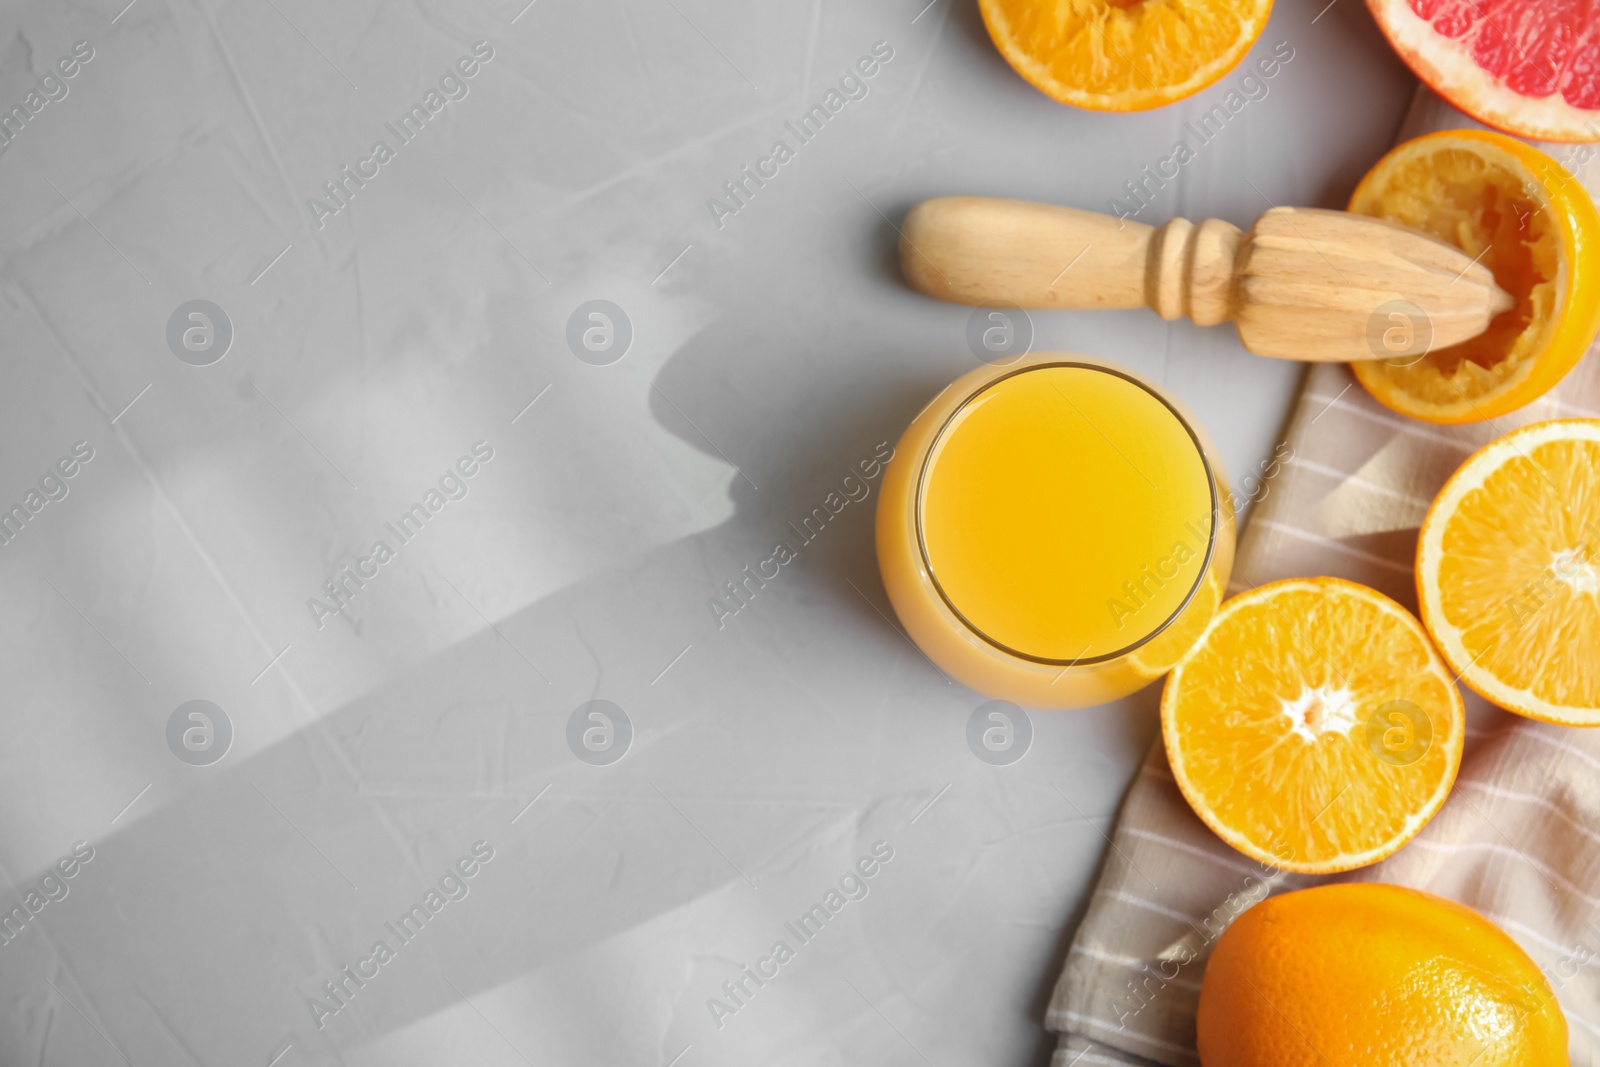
(377, 740)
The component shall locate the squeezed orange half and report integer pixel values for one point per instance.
(1524, 216)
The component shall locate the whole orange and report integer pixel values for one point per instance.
(1368, 975)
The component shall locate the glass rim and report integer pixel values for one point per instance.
(1211, 540)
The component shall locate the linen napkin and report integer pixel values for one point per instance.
(1519, 837)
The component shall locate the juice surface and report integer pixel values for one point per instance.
(1065, 513)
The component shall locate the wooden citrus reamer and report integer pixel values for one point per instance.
(1300, 284)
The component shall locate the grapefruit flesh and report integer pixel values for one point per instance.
(1529, 67)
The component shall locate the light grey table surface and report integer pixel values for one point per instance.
(772, 350)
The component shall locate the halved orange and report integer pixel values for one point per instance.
(1314, 727)
(1156, 657)
(1508, 571)
(1535, 228)
(1124, 55)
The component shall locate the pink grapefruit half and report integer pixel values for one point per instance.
(1528, 67)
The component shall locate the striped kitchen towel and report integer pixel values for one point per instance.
(1519, 838)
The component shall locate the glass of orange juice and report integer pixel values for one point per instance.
(1055, 531)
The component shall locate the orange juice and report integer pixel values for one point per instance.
(1054, 531)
